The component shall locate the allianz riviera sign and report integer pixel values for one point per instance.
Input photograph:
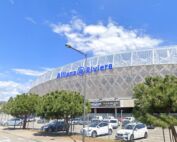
(84, 70)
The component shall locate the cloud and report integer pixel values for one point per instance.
(10, 89)
(30, 72)
(103, 39)
(30, 19)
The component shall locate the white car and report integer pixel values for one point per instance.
(13, 122)
(114, 122)
(132, 131)
(131, 119)
(99, 118)
(97, 129)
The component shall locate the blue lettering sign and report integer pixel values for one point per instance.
(84, 70)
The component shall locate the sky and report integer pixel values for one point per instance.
(33, 34)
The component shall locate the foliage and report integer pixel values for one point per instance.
(61, 105)
(54, 105)
(155, 99)
(21, 106)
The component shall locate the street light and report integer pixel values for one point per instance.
(84, 93)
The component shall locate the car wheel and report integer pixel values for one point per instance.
(94, 134)
(132, 138)
(145, 135)
(110, 132)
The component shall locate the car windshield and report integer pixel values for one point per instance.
(107, 121)
(95, 121)
(129, 127)
(14, 119)
(128, 118)
(93, 124)
(113, 121)
(53, 122)
(126, 122)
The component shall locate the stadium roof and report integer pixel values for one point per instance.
(122, 59)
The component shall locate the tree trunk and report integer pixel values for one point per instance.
(163, 134)
(15, 124)
(67, 125)
(24, 122)
(170, 134)
(174, 133)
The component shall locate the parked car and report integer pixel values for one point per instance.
(114, 122)
(81, 122)
(132, 131)
(125, 122)
(98, 117)
(96, 121)
(76, 121)
(54, 126)
(150, 126)
(42, 120)
(1, 122)
(13, 122)
(30, 119)
(131, 119)
(97, 129)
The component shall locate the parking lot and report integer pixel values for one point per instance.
(154, 135)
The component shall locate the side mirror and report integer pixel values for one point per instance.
(98, 126)
(136, 129)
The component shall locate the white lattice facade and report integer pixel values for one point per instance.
(129, 68)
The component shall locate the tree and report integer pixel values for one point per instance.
(155, 100)
(62, 105)
(21, 106)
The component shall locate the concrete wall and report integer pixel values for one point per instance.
(117, 83)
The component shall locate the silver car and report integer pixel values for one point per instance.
(13, 122)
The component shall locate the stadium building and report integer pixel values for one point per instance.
(110, 78)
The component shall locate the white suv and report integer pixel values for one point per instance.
(114, 122)
(131, 119)
(96, 129)
(132, 131)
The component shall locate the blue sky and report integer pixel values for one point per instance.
(33, 33)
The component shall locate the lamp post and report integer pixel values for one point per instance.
(121, 116)
(84, 92)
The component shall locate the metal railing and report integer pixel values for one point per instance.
(121, 59)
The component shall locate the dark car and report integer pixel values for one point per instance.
(54, 126)
(125, 122)
(150, 126)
